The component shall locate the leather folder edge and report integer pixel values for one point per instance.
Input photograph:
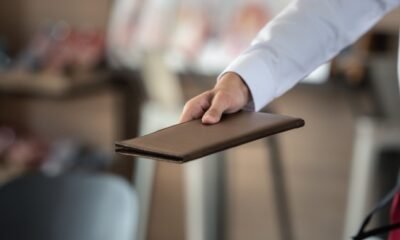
(131, 151)
(297, 123)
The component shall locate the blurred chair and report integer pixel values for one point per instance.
(75, 206)
(370, 175)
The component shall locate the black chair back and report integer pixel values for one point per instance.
(76, 206)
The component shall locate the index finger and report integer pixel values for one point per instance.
(196, 107)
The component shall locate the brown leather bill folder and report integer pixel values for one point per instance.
(191, 140)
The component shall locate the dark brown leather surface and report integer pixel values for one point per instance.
(191, 140)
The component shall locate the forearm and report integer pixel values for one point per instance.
(305, 35)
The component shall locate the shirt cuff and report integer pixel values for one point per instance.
(255, 72)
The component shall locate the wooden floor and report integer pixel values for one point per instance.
(316, 160)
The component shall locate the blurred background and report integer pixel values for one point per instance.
(76, 76)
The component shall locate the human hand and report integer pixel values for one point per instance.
(229, 95)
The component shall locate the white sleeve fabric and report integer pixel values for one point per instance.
(305, 35)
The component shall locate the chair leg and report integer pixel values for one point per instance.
(280, 190)
(370, 175)
(360, 177)
(204, 198)
(143, 183)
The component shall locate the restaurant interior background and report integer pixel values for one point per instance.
(76, 76)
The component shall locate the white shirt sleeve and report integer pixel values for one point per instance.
(305, 35)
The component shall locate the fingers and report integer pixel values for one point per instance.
(229, 95)
(219, 105)
(208, 106)
(196, 107)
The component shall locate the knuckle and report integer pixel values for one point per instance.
(213, 109)
(224, 97)
(212, 112)
(190, 103)
(187, 108)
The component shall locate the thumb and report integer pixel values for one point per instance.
(214, 113)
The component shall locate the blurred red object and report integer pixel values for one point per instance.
(21, 151)
(27, 153)
(395, 217)
(77, 50)
(59, 48)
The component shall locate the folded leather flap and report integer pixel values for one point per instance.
(191, 140)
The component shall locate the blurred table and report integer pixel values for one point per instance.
(54, 87)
